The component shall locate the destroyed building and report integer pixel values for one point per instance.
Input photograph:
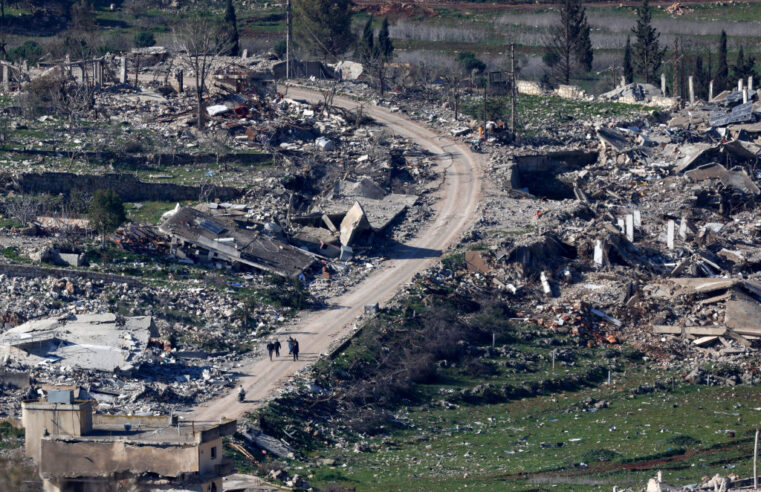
(86, 341)
(197, 236)
(77, 449)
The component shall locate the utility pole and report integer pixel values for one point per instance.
(288, 40)
(513, 89)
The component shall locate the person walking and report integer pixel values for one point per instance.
(295, 350)
(270, 348)
(290, 345)
(277, 348)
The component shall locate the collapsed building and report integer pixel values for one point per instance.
(78, 449)
(197, 236)
(91, 341)
(647, 236)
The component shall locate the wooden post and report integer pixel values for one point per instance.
(710, 91)
(674, 93)
(692, 89)
(513, 89)
(755, 462)
(288, 40)
(750, 83)
(663, 84)
(137, 69)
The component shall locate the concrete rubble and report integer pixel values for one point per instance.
(265, 189)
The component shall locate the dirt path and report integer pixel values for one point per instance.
(455, 210)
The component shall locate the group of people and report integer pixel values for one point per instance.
(274, 347)
(293, 348)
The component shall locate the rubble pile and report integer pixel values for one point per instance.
(649, 238)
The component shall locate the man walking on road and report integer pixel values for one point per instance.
(270, 348)
(277, 348)
(295, 350)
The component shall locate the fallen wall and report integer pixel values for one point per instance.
(129, 188)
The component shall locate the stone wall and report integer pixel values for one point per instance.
(30, 271)
(129, 188)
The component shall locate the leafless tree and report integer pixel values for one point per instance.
(22, 208)
(201, 42)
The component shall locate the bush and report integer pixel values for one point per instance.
(144, 39)
(30, 51)
(279, 48)
(469, 62)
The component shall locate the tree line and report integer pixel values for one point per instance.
(569, 53)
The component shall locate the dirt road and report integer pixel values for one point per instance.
(455, 209)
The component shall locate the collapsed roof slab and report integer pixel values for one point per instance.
(380, 213)
(229, 242)
(88, 341)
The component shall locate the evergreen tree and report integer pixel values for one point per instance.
(231, 23)
(744, 68)
(323, 26)
(376, 54)
(721, 80)
(628, 68)
(385, 46)
(700, 79)
(366, 48)
(569, 48)
(106, 212)
(647, 52)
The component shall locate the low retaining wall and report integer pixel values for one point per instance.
(129, 188)
(30, 271)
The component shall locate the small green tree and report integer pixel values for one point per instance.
(323, 26)
(106, 213)
(648, 55)
(628, 68)
(231, 25)
(144, 39)
(470, 63)
(721, 80)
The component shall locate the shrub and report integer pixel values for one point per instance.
(144, 39)
(279, 48)
(30, 51)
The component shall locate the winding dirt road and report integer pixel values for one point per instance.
(455, 210)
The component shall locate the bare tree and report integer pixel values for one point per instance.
(22, 208)
(201, 41)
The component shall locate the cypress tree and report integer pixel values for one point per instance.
(366, 43)
(647, 52)
(744, 67)
(231, 23)
(385, 46)
(628, 68)
(721, 79)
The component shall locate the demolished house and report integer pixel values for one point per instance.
(352, 209)
(197, 236)
(73, 446)
(86, 341)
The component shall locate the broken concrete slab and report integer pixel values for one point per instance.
(354, 222)
(94, 341)
(736, 178)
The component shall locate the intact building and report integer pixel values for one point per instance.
(80, 451)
